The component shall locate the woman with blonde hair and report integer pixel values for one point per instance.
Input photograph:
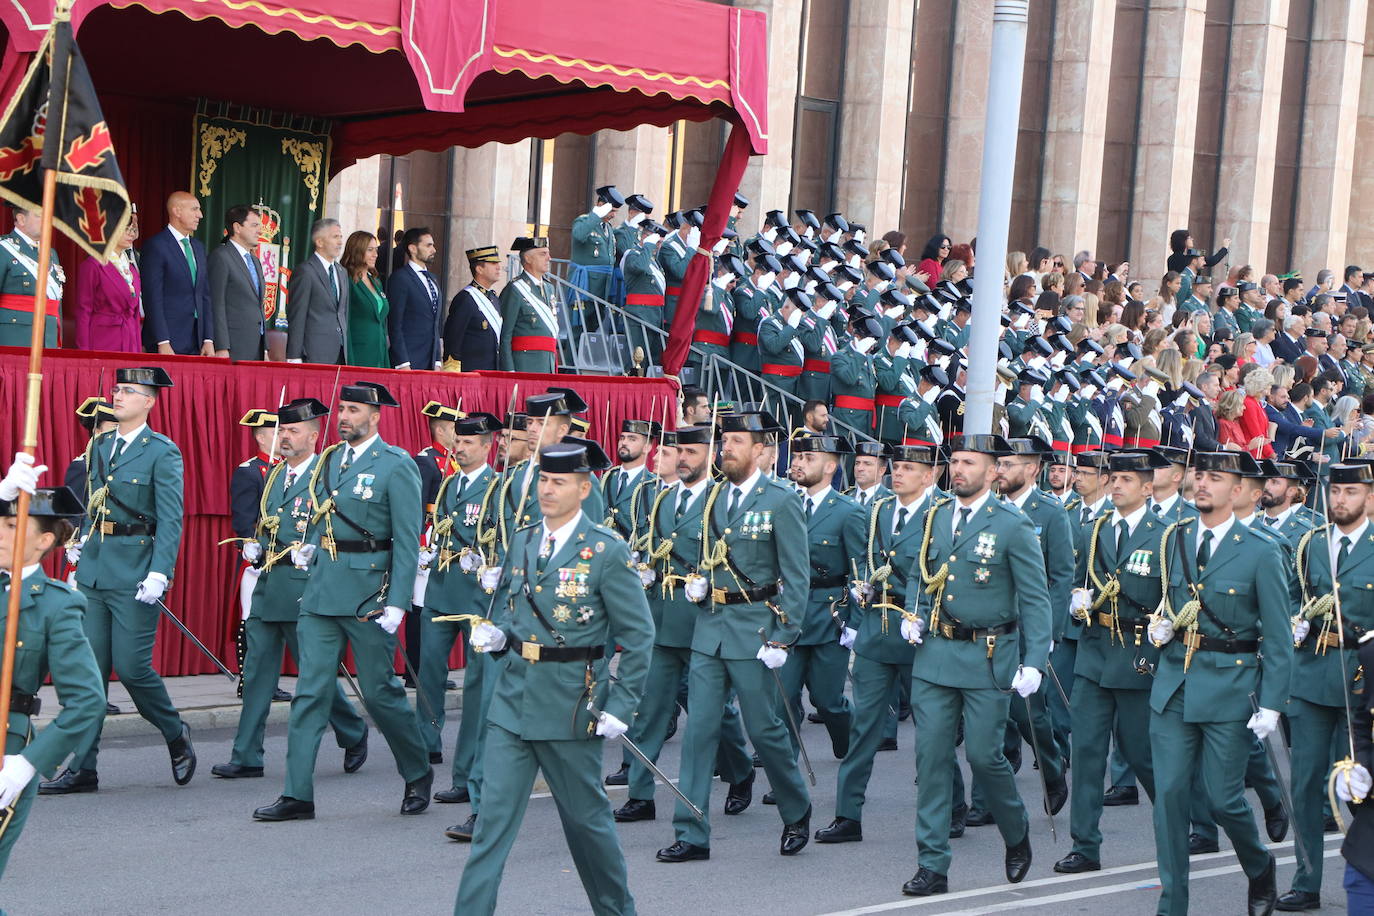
(1170, 362)
(1016, 264)
(1244, 348)
(1090, 312)
(1284, 376)
(1192, 368)
(954, 270)
(1229, 408)
(1254, 422)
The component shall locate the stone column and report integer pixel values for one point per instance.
(1245, 191)
(968, 95)
(767, 181)
(635, 161)
(1168, 125)
(1076, 127)
(353, 194)
(873, 115)
(1360, 242)
(491, 188)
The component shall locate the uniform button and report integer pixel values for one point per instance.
(1230, 591)
(539, 588)
(727, 530)
(951, 578)
(949, 597)
(1239, 662)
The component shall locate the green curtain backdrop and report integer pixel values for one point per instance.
(279, 170)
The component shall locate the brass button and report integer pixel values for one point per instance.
(949, 597)
(727, 530)
(539, 588)
(951, 578)
(1230, 591)
(1239, 662)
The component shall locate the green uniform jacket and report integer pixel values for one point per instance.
(1142, 422)
(852, 375)
(673, 256)
(836, 535)
(1087, 428)
(1225, 318)
(749, 309)
(996, 574)
(819, 344)
(894, 381)
(1316, 670)
(880, 634)
(457, 516)
(920, 420)
(678, 542)
(763, 547)
(590, 593)
(626, 237)
(52, 642)
(1321, 420)
(593, 244)
(1056, 546)
(520, 318)
(780, 346)
(1355, 381)
(1243, 586)
(1103, 658)
(144, 488)
(1081, 530)
(717, 315)
(277, 594)
(17, 280)
(643, 277)
(380, 492)
(627, 505)
(508, 500)
(1020, 414)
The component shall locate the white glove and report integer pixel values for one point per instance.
(847, 637)
(1263, 723)
(1079, 601)
(864, 344)
(490, 578)
(894, 312)
(795, 318)
(18, 771)
(252, 551)
(608, 726)
(860, 592)
(647, 577)
(696, 588)
(302, 555)
(470, 562)
(293, 360)
(912, 630)
(827, 310)
(426, 559)
(22, 475)
(1161, 631)
(1351, 785)
(153, 587)
(1301, 629)
(74, 552)
(1037, 393)
(486, 637)
(421, 586)
(1026, 681)
(772, 656)
(391, 618)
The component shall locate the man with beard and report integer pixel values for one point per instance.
(629, 489)
(1282, 500)
(510, 446)
(548, 420)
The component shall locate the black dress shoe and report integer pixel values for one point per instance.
(1019, 860)
(436, 757)
(280, 696)
(1264, 892)
(416, 798)
(463, 832)
(450, 685)
(455, 796)
(815, 718)
(672, 729)
(841, 830)
(769, 798)
(636, 809)
(1058, 795)
(887, 744)
(183, 756)
(925, 883)
(796, 836)
(70, 782)
(1075, 863)
(356, 756)
(683, 852)
(112, 710)
(977, 817)
(1276, 823)
(620, 777)
(234, 771)
(1198, 844)
(956, 822)
(740, 796)
(903, 713)
(1329, 825)
(286, 808)
(1117, 796)
(1298, 902)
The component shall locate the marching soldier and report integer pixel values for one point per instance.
(629, 490)
(125, 562)
(1224, 588)
(983, 580)
(245, 498)
(1166, 500)
(572, 588)
(882, 658)
(54, 643)
(434, 462)
(274, 602)
(593, 244)
(511, 448)
(548, 421)
(363, 539)
(1282, 500)
(1115, 657)
(529, 312)
(472, 330)
(671, 554)
(18, 273)
(753, 578)
(870, 466)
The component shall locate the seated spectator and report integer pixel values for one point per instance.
(1229, 409)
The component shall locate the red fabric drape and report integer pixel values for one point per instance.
(728, 175)
(201, 415)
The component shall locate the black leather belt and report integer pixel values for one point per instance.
(975, 634)
(1126, 623)
(120, 529)
(750, 596)
(538, 652)
(367, 545)
(829, 581)
(1219, 644)
(26, 704)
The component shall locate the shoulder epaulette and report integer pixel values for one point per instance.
(247, 464)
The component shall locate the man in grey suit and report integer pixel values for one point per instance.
(236, 282)
(317, 304)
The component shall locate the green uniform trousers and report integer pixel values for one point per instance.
(1312, 727)
(873, 716)
(323, 640)
(435, 649)
(656, 709)
(937, 710)
(261, 666)
(1098, 713)
(1029, 721)
(121, 630)
(1259, 775)
(708, 681)
(822, 669)
(1180, 752)
(899, 703)
(1062, 659)
(573, 772)
(14, 744)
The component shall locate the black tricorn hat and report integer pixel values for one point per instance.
(1092, 459)
(152, 376)
(95, 410)
(525, 243)
(610, 195)
(373, 393)
(258, 417)
(47, 502)
(437, 411)
(694, 435)
(919, 454)
(1351, 473)
(555, 402)
(517, 420)
(1029, 445)
(477, 424)
(640, 202)
(1293, 470)
(1145, 461)
(1171, 455)
(984, 443)
(647, 428)
(830, 445)
(753, 421)
(567, 458)
(301, 410)
(741, 201)
(808, 218)
(1226, 462)
(731, 263)
(837, 220)
(873, 449)
(881, 269)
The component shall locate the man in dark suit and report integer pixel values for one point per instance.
(1204, 421)
(317, 305)
(416, 308)
(1292, 427)
(1287, 344)
(236, 282)
(178, 315)
(472, 330)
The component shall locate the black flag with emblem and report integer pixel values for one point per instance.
(54, 122)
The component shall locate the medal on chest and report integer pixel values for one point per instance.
(756, 523)
(471, 513)
(1139, 563)
(574, 582)
(362, 487)
(986, 548)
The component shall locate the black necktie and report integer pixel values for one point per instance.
(1121, 531)
(1204, 552)
(810, 507)
(1156, 509)
(734, 502)
(334, 281)
(863, 499)
(901, 520)
(964, 513)
(1271, 520)
(347, 459)
(1087, 515)
(118, 450)
(1344, 552)
(290, 478)
(683, 499)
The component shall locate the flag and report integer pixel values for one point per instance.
(54, 122)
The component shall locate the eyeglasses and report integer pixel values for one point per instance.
(1058, 263)
(129, 389)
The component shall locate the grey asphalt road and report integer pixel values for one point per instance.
(143, 845)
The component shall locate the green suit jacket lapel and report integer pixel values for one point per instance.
(1223, 553)
(1361, 557)
(976, 523)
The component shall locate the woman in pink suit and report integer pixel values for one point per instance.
(109, 297)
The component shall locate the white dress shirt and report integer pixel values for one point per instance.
(127, 440)
(560, 537)
(1218, 534)
(1337, 534)
(975, 506)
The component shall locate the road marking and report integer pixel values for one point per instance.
(1061, 880)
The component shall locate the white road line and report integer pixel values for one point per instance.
(1061, 880)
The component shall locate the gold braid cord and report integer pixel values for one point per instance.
(1106, 591)
(712, 555)
(934, 582)
(501, 509)
(442, 527)
(269, 521)
(878, 573)
(1186, 618)
(1341, 767)
(486, 537)
(323, 510)
(653, 555)
(1313, 606)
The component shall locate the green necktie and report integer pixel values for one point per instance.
(1121, 531)
(190, 258)
(1204, 552)
(545, 554)
(901, 521)
(963, 520)
(683, 499)
(1344, 552)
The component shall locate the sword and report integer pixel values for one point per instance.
(1284, 798)
(1058, 685)
(1044, 785)
(791, 721)
(199, 645)
(649, 765)
(353, 685)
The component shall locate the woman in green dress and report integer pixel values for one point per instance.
(367, 306)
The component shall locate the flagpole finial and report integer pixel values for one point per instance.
(62, 12)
